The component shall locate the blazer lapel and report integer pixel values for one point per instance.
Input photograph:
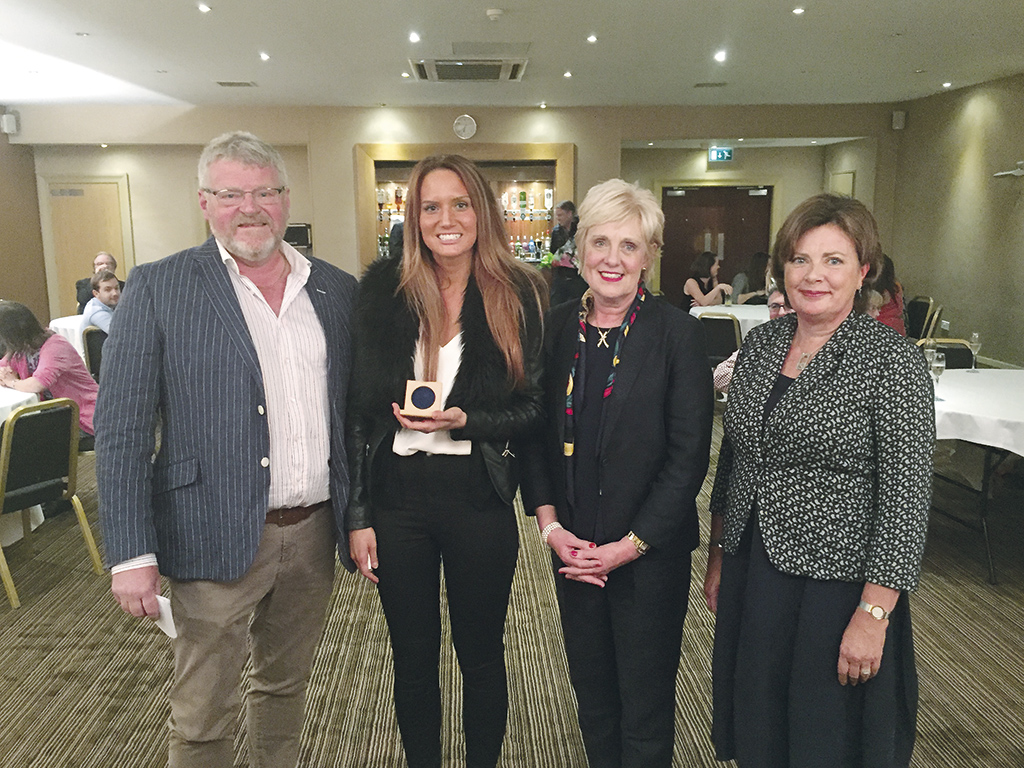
(214, 278)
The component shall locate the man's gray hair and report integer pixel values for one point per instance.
(244, 148)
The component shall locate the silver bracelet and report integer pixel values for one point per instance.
(547, 531)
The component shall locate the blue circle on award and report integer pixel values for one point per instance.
(422, 397)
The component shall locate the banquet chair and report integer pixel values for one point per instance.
(722, 332)
(92, 340)
(919, 312)
(934, 324)
(957, 351)
(39, 464)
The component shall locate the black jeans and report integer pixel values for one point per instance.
(443, 511)
(622, 642)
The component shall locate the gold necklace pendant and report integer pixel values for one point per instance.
(805, 358)
(602, 340)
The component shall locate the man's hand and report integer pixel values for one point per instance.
(136, 589)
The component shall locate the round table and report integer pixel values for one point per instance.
(10, 525)
(70, 328)
(749, 315)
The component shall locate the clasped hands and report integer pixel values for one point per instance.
(438, 421)
(7, 376)
(585, 561)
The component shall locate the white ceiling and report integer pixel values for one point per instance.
(353, 52)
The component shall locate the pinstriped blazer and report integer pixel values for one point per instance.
(181, 350)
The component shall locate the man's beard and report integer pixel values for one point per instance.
(254, 253)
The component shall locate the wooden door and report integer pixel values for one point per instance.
(733, 222)
(85, 219)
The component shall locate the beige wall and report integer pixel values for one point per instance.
(21, 244)
(330, 134)
(162, 188)
(860, 157)
(959, 233)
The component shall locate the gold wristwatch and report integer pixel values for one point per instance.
(876, 611)
(641, 545)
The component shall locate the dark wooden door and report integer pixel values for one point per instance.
(733, 222)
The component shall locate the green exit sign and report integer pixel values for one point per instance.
(719, 154)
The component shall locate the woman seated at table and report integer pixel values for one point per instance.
(614, 480)
(750, 287)
(891, 310)
(819, 512)
(702, 288)
(44, 363)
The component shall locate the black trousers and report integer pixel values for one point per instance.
(442, 511)
(623, 642)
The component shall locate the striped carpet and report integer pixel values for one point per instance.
(85, 686)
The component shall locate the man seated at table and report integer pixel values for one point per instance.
(777, 307)
(83, 288)
(106, 291)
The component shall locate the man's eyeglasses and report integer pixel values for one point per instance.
(776, 306)
(261, 196)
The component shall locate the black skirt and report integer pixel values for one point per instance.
(777, 698)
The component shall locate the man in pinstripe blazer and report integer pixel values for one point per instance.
(239, 350)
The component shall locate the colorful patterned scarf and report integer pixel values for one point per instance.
(579, 361)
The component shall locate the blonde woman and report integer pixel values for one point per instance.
(436, 492)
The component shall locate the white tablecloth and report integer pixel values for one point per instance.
(10, 525)
(749, 315)
(985, 407)
(70, 328)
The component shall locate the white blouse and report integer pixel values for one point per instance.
(409, 441)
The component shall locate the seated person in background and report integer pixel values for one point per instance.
(891, 310)
(83, 288)
(45, 363)
(751, 287)
(702, 287)
(106, 291)
(777, 307)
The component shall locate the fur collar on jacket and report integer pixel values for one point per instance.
(386, 332)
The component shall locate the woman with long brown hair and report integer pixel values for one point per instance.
(436, 491)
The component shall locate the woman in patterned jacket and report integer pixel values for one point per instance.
(819, 512)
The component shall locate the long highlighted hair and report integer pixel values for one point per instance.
(498, 274)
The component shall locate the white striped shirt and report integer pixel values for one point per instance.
(292, 351)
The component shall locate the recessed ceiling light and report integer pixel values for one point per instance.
(919, 71)
(946, 85)
(720, 56)
(203, 7)
(798, 11)
(567, 74)
(814, 141)
(413, 37)
(264, 56)
(405, 74)
(81, 34)
(103, 145)
(739, 139)
(650, 143)
(543, 105)
(592, 39)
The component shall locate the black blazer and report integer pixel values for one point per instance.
(385, 336)
(656, 436)
(841, 470)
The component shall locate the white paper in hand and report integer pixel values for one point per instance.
(165, 620)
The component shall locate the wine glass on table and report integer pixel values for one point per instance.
(938, 366)
(975, 345)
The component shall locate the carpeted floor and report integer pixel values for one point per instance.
(84, 686)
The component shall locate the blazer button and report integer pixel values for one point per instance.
(259, 410)
(264, 462)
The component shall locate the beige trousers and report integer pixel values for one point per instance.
(275, 611)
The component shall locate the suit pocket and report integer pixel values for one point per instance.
(177, 475)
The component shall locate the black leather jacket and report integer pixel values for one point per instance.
(497, 416)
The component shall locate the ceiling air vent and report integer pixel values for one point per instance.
(469, 70)
(709, 85)
(236, 83)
